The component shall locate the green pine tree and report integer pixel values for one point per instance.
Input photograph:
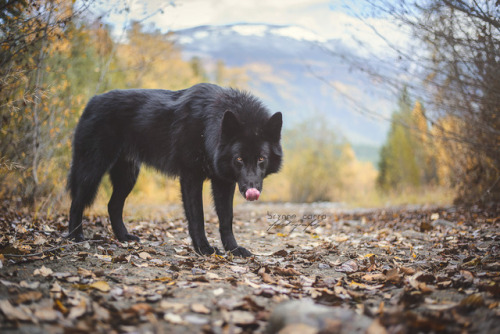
(398, 164)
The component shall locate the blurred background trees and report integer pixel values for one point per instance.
(52, 61)
(454, 58)
(463, 39)
(35, 39)
(408, 160)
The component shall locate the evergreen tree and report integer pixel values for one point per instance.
(403, 161)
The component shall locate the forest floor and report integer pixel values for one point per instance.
(398, 270)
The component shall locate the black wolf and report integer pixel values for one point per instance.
(203, 132)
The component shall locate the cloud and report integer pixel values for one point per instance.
(316, 16)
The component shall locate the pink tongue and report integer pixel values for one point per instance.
(252, 194)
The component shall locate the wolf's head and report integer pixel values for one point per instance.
(249, 151)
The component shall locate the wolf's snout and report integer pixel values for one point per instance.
(252, 194)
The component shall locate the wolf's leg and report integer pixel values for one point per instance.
(191, 188)
(123, 176)
(223, 193)
(84, 181)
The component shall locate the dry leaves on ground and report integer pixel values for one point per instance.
(404, 270)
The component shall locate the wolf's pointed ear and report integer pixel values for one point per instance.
(272, 129)
(231, 126)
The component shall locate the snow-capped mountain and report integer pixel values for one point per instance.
(294, 71)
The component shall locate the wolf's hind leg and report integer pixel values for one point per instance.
(123, 176)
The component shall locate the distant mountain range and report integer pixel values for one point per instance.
(296, 72)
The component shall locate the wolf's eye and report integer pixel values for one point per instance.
(261, 159)
(239, 159)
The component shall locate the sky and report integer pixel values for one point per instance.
(325, 19)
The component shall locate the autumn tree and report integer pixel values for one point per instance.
(28, 35)
(52, 62)
(398, 164)
(407, 159)
(464, 72)
(451, 63)
(320, 165)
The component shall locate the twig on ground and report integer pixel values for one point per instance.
(53, 249)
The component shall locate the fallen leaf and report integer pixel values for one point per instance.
(239, 317)
(200, 308)
(21, 229)
(286, 271)
(280, 253)
(393, 276)
(153, 298)
(85, 272)
(196, 319)
(298, 328)
(40, 240)
(239, 269)
(15, 313)
(349, 266)
(145, 255)
(472, 302)
(29, 285)
(102, 286)
(28, 297)
(425, 227)
(8, 283)
(373, 287)
(107, 258)
(432, 305)
(376, 328)
(55, 290)
(59, 306)
(419, 279)
(121, 258)
(407, 271)
(43, 271)
(163, 279)
(212, 276)
(46, 314)
(100, 313)
(173, 318)
(229, 303)
(140, 265)
(78, 310)
(141, 308)
(176, 307)
(467, 275)
(266, 278)
(252, 284)
(374, 277)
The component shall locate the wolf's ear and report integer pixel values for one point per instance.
(231, 126)
(272, 129)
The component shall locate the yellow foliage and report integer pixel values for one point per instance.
(448, 149)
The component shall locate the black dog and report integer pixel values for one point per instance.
(202, 132)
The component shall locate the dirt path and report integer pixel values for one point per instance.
(407, 270)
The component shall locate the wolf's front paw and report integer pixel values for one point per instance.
(128, 237)
(240, 251)
(76, 237)
(207, 250)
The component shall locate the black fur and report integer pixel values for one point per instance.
(195, 134)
